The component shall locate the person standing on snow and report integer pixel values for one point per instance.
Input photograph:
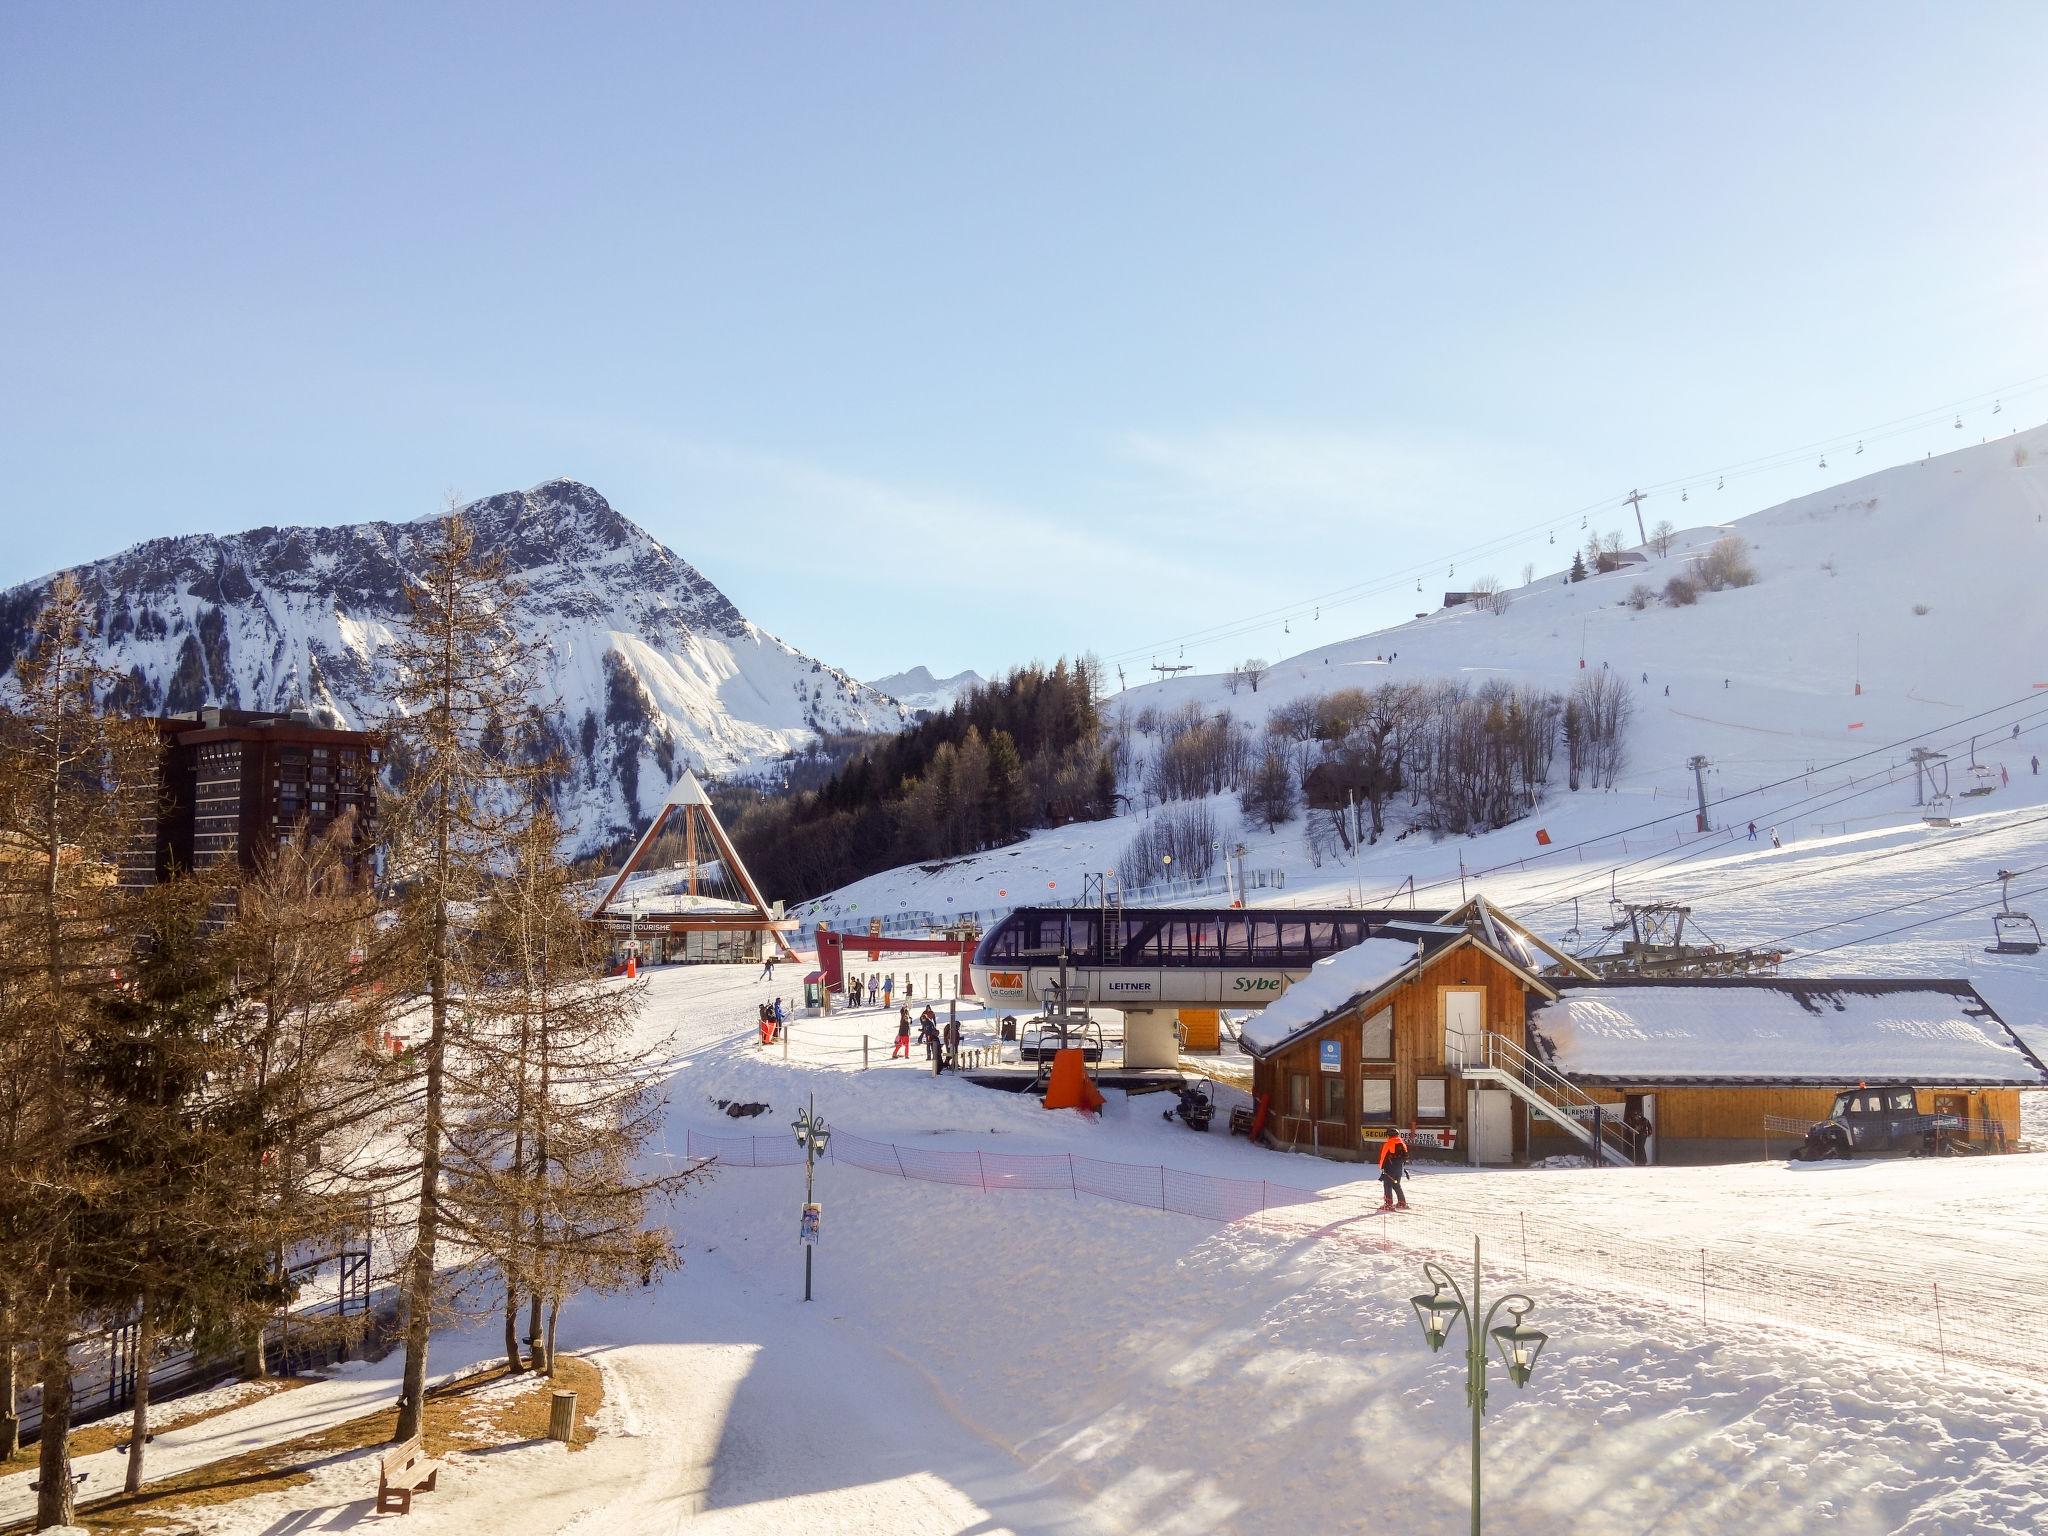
(902, 1036)
(889, 989)
(1774, 839)
(952, 1039)
(853, 992)
(928, 1037)
(768, 968)
(1393, 1169)
(2037, 765)
(2004, 778)
(778, 1016)
(1752, 831)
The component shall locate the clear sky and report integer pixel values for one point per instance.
(961, 334)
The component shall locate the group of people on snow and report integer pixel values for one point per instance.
(772, 1019)
(941, 1043)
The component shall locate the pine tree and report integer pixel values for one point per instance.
(542, 1160)
(1578, 566)
(307, 1026)
(460, 729)
(74, 787)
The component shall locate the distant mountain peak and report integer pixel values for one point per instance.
(917, 689)
(647, 667)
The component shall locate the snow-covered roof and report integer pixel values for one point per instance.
(1783, 1030)
(1331, 986)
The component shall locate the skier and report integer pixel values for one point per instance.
(889, 990)
(1752, 831)
(928, 1037)
(1724, 682)
(2015, 733)
(1774, 839)
(1667, 690)
(2037, 765)
(767, 968)
(2004, 778)
(853, 992)
(902, 1036)
(1393, 1168)
(779, 1017)
(1646, 677)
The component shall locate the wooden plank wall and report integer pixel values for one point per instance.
(1418, 1047)
(1736, 1113)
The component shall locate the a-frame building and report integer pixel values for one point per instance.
(671, 913)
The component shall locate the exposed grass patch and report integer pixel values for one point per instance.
(104, 1434)
(463, 1415)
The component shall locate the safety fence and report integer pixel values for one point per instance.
(1148, 1184)
(1959, 1313)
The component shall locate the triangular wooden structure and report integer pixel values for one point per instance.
(701, 827)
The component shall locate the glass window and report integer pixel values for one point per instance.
(1377, 1036)
(1903, 1099)
(1322, 939)
(1333, 1097)
(1294, 940)
(1429, 1098)
(1237, 939)
(1298, 1093)
(1376, 1098)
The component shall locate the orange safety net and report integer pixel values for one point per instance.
(1070, 1086)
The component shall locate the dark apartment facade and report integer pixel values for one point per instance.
(236, 782)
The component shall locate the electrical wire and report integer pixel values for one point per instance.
(1243, 624)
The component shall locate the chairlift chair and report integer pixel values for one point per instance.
(2012, 933)
(1938, 812)
(1983, 780)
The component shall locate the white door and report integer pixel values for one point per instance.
(1464, 1022)
(1490, 1114)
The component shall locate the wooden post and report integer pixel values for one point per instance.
(562, 1417)
(864, 1054)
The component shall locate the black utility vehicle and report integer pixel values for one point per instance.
(1880, 1122)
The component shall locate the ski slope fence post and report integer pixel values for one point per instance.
(981, 1168)
(1072, 1183)
(1940, 1339)
(1703, 1285)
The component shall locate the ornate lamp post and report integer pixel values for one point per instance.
(813, 1135)
(1517, 1344)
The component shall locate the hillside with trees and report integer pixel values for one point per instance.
(1015, 755)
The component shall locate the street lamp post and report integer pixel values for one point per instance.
(1518, 1345)
(813, 1135)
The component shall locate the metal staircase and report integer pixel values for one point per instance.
(1497, 1060)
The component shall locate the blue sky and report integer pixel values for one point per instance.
(963, 334)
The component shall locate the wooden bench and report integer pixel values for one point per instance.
(403, 1471)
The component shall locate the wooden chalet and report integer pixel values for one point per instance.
(1421, 1026)
(1487, 1045)
(1726, 1067)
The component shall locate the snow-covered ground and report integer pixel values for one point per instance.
(1805, 693)
(1033, 1361)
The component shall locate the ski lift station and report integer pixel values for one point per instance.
(1488, 1045)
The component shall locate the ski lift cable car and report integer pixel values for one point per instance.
(2012, 933)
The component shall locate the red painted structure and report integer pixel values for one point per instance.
(832, 946)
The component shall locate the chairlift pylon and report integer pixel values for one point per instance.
(1720, 481)
(1959, 422)
(1859, 445)
(2012, 933)
(1685, 495)
(1997, 406)
(1823, 461)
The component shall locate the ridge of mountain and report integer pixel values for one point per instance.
(646, 666)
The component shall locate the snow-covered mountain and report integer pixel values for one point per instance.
(1904, 608)
(647, 665)
(917, 690)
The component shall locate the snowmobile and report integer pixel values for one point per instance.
(1196, 1109)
